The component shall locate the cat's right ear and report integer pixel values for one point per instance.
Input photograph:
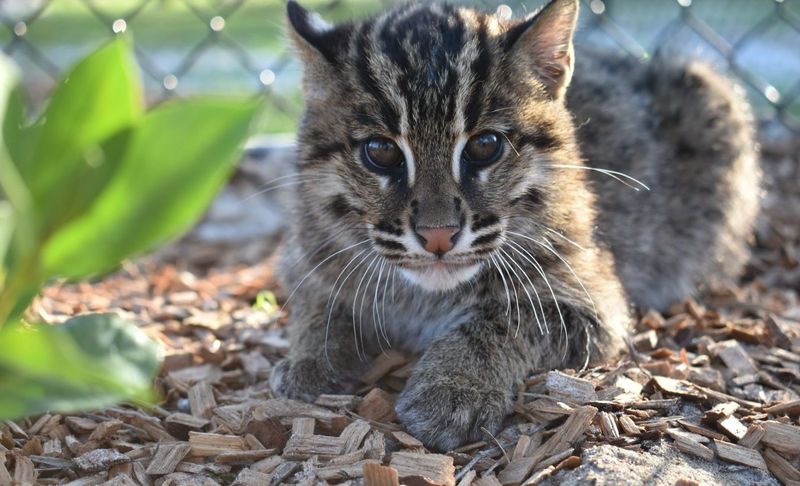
(316, 39)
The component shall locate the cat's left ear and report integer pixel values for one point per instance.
(543, 42)
(316, 39)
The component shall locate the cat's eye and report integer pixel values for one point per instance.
(383, 154)
(483, 149)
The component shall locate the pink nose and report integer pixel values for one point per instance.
(438, 240)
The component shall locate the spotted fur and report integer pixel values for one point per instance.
(548, 255)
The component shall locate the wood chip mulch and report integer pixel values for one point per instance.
(718, 380)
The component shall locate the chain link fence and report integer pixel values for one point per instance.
(223, 47)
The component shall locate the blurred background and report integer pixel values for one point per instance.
(223, 47)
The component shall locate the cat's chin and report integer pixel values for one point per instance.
(440, 276)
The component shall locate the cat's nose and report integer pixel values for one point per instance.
(438, 240)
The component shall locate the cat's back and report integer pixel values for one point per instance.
(686, 132)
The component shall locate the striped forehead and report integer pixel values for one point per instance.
(420, 63)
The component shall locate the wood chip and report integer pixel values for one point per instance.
(487, 480)
(208, 444)
(184, 420)
(564, 437)
(555, 458)
(778, 337)
(752, 437)
(33, 447)
(645, 341)
(248, 477)
(780, 467)
(244, 457)
(303, 426)
(570, 388)
(693, 447)
(167, 457)
(378, 475)
(281, 407)
(105, 430)
(735, 357)
(720, 411)
(782, 437)
(100, 460)
(283, 471)
(436, 467)
(53, 448)
(698, 429)
(786, 408)
(517, 470)
(677, 387)
(348, 458)
(732, 427)
(80, 425)
(608, 425)
(521, 449)
(375, 445)
(93, 480)
(347, 402)
(269, 432)
(676, 432)
(408, 441)
(740, 455)
(383, 364)
(724, 397)
(628, 425)
(345, 471)
(468, 479)
(24, 472)
(539, 476)
(201, 399)
(5, 474)
(378, 406)
(353, 435)
(654, 404)
(301, 447)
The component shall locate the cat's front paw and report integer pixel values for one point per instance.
(305, 379)
(445, 413)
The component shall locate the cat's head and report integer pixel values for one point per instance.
(429, 129)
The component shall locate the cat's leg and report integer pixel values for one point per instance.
(323, 357)
(463, 386)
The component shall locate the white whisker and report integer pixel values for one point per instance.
(541, 272)
(316, 267)
(355, 297)
(619, 176)
(516, 296)
(508, 296)
(522, 284)
(562, 236)
(523, 251)
(279, 186)
(331, 303)
(382, 322)
(552, 250)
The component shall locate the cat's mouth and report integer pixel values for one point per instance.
(439, 274)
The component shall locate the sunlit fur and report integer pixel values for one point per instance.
(552, 248)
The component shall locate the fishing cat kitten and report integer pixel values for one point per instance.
(445, 205)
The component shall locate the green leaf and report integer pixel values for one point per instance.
(98, 98)
(6, 232)
(90, 361)
(177, 158)
(12, 187)
(9, 80)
